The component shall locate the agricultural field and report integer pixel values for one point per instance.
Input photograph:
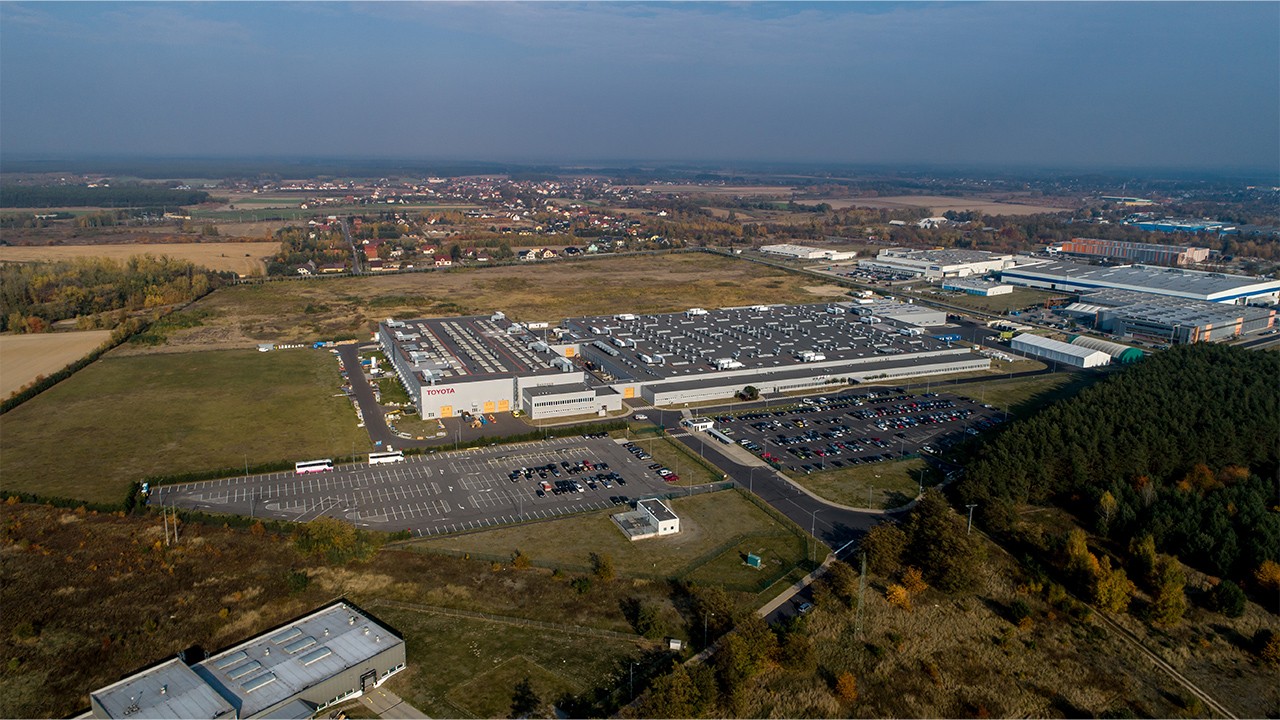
(242, 258)
(891, 484)
(122, 419)
(26, 357)
(937, 204)
(716, 532)
(349, 307)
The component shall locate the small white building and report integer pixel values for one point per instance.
(667, 522)
(651, 518)
(1058, 351)
(698, 424)
(977, 286)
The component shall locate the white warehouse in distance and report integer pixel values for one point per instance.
(804, 252)
(1058, 351)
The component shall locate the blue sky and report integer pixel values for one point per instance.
(1090, 84)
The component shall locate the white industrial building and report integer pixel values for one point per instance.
(651, 518)
(1172, 320)
(295, 671)
(804, 252)
(1173, 282)
(938, 264)
(1058, 351)
(977, 286)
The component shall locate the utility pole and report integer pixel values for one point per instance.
(970, 527)
(862, 593)
(164, 512)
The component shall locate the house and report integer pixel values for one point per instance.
(443, 261)
(548, 253)
(332, 268)
(527, 255)
(306, 268)
(376, 266)
(594, 248)
(571, 251)
(371, 250)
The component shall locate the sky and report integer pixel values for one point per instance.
(1025, 84)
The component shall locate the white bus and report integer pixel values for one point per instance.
(378, 458)
(312, 466)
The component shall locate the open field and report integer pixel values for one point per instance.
(1019, 299)
(241, 258)
(1024, 395)
(707, 524)
(469, 667)
(892, 483)
(24, 357)
(744, 190)
(325, 308)
(122, 419)
(937, 204)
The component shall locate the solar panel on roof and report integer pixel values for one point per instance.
(259, 682)
(286, 635)
(316, 655)
(231, 659)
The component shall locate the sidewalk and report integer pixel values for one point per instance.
(389, 705)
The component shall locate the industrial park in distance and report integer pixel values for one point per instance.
(884, 384)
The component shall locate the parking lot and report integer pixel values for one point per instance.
(859, 427)
(435, 494)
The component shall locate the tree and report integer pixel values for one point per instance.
(1229, 599)
(602, 567)
(884, 545)
(524, 701)
(1268, 576)
(898, 595)
(913, 581)
(1112, 590)
(938, 543)
(1106, 510)
(671, 696)
(843, 581)
(750, 393)
(847, 688)
(1143, 552)
(1170, 600)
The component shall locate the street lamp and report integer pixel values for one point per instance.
(970, 526)
(704, 628)
(813, 522)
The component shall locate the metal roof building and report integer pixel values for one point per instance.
(1059, 351)
(294, 671)
(1174, 282)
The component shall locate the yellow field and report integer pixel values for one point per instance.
(24, 357)
(241, 258)
(937, 204)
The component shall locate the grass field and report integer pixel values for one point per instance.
(125, 418)
(678, 459)
(25, 357)
(240, 258)
(243, 315)
(938, 204)
(892, 483)
(1021, 396)
(705, 545)
(469, 668)
(1019, 299)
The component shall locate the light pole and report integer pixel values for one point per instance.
(704, 628)
(970, 526)
(813, 524)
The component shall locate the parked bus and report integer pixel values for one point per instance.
(312, 466)
(379, 458)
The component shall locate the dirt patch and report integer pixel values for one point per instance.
(26, 357)
(240, 258)
(826, 290)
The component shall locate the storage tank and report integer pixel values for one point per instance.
(1122, 354)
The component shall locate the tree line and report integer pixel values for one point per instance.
(42, 196)
(33, 296)
(1181, 448)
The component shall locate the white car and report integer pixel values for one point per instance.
(641, 417)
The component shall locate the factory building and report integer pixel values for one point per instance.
(977, 286)
(295, 671)
(1058, 351)
(1173, 282)
(1158, 319)
(938, 264)
(803, 252)
(1132, 251)
(483, 365)
(1123, 354)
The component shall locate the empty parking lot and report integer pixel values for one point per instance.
(430, 495)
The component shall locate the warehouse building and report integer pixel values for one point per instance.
(1122, 354)
(977, 286)
(1173, 282)
(1133, 251)
(938, 264)
(1159, 319)
(295, 671)
(804, 252)
(905, 313)
(1058, 351)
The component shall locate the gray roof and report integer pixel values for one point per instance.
(658, 509)
(802, 371)
(168, 690)
(1162, 280)
(1057, 346)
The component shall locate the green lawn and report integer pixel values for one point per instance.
(892, 483)
(678, 459)
(1020, 396)
(708, 523)
(1019, 299)
(459, 667)
(126, 418)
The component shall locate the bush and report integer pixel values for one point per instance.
(1228, 599)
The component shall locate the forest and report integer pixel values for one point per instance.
(1180, 449)
(132, 195)
(33, 296)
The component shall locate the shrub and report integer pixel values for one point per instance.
(847, 688)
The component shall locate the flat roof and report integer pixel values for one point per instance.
(972, 282)
(943, 257)
(658, 509)
(1057, 346)
(743, 338)
(1156, 279)
(477, 347)
(256, 674)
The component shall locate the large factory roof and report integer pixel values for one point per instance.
(944, 257)
(797, 372)
(254, 675)
(696, 342)
(1172, 310)
(471, 348)
(1160, 280)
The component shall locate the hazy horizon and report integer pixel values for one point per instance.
(1173, 87)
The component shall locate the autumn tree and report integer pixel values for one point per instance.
(1170, 601)
(844, 582)
(671, 696)
(602, 567)
(898, 596)
(1111, 588)
(847, 688)
(939, 545)
(913, 581)
(884, 545)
